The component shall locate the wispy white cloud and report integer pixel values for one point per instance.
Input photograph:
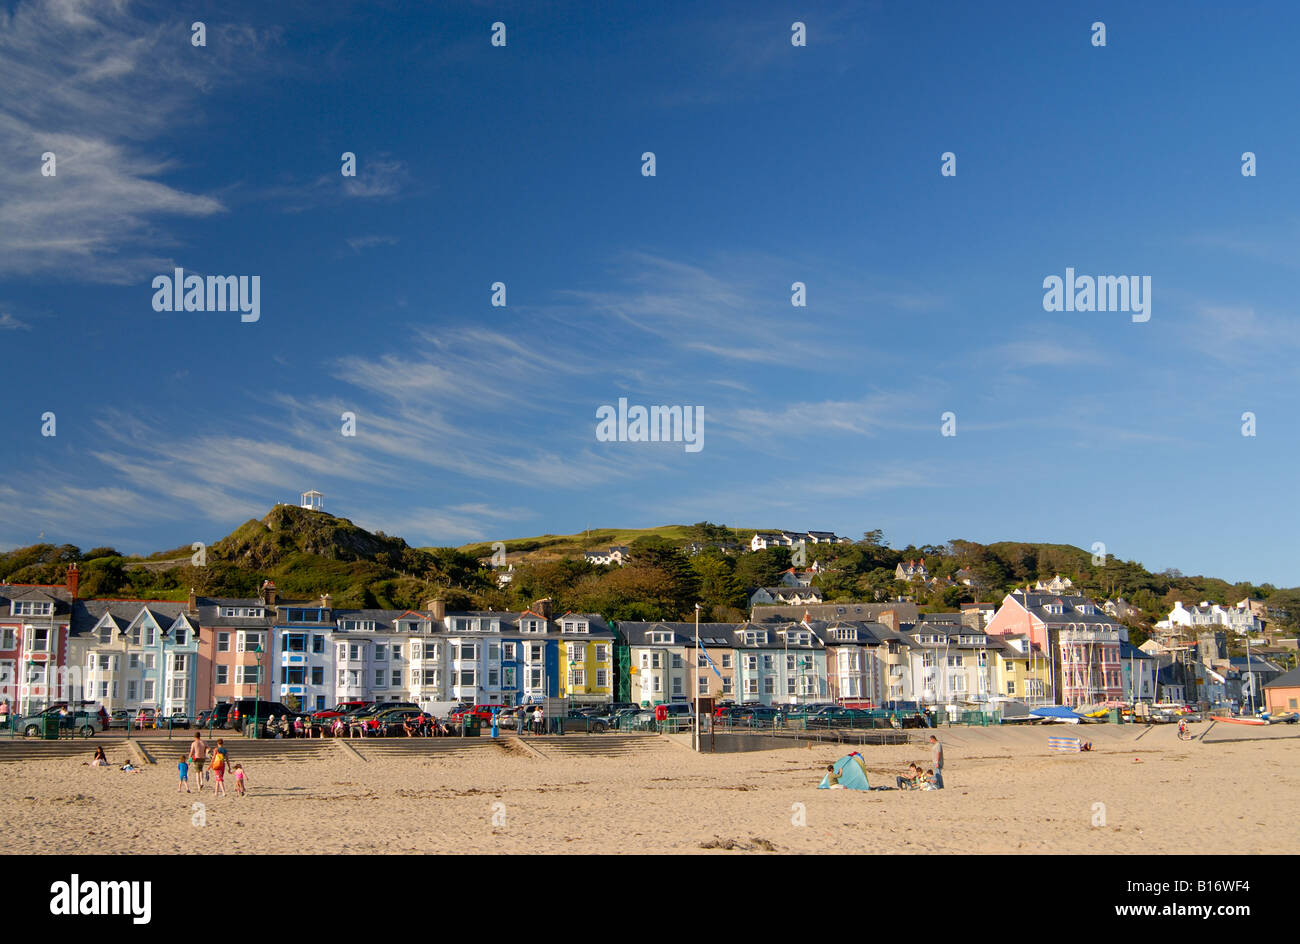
(75, 73)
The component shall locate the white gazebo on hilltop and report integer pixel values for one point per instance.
(312, 500)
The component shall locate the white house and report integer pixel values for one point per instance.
(1240, 619)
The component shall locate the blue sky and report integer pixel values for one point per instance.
(775, 164)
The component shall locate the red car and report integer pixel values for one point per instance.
(342, 708)
(482, 712)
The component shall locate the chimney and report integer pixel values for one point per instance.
(889, 618)
(268, 593)
(543, 608)
(193, 606)
(74, 578)
(326, 601)
(437, 610)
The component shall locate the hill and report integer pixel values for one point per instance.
(308, 553)
(556, 546)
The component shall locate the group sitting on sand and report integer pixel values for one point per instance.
(917, 779)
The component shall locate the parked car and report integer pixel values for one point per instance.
(758, 716)
(246, 709)
(578, 720)
(392, 720)
(80, 722)
(217, 717)
(482, 712)
(847, 718)
(342, 708)
(177, 719)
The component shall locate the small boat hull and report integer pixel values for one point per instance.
(1255, 721)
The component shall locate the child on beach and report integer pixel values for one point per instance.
(218, 768)
(183, 768)
(926, 781)
(239, 779)
(910, 781)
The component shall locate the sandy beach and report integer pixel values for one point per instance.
(1006, 794)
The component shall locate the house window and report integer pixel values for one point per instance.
(131, 688)
(318, 644)
(248, 642)
(602, 652)
(223, 642)
(751, 663)
(702, 684)
(508, 677)
(578, 678)
(493, 677)
(726, 685)
(677, 685)
(767, 661)
(381, 652)
(149, 690)
(223, 674)
(751, 686)
(769, 685)
(293, 675)
(294, 642)
(535, 677)
(397, 652)
(602, 678)
(379, 678)
(494, 652)
(508, 651)
(726, 660)
(468, 678)
(1011, 688)
(789, 685)
(179, 660)
(40, 640)
(317, 675)
(179, 635)
(677, 660)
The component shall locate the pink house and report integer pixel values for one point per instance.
(1083, 642)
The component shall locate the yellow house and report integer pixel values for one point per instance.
(586, 658)
(1021, 671)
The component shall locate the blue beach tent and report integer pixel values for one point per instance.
(851, 771)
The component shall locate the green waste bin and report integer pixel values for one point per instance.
(1115, 717)
(50, 727)
(471, 726)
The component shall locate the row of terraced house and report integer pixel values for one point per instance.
(183, 657)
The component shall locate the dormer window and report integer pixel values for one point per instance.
(845, 635)
(31, 608)
(755, 637)
(576, 626)
(661, 638)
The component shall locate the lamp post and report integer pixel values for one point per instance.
(696, 726)
(126, 668)
(257, 689)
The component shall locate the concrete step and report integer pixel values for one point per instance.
(20, 749)
(597, 745)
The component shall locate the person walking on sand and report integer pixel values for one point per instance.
(183, 769)
(537, 720)
(936, 753)
(219, 769)
(521, 720)
(197, 755)
(239, 779)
